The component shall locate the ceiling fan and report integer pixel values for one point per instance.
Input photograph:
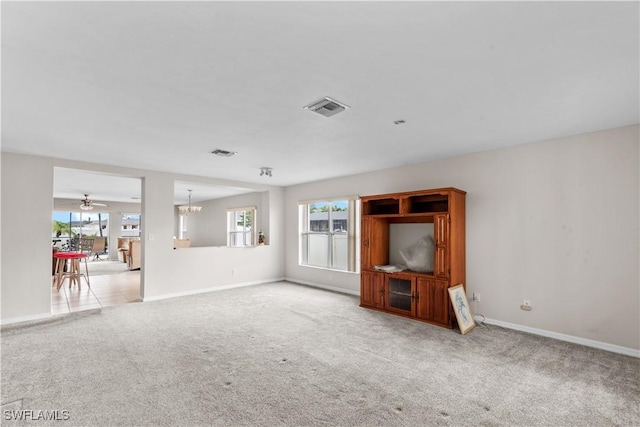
(88, 204)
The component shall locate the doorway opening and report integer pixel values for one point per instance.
(107, 233)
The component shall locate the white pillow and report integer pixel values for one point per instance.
(419, 256)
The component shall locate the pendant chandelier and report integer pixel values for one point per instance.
(189, 209)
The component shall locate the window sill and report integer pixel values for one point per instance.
(328, 269)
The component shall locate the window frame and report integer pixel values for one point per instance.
(351, 233)
(131, 230)
(232, 225)
(183, 226)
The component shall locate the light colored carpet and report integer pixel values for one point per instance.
(288, 355)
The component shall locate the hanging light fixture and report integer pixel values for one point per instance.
(189, 209)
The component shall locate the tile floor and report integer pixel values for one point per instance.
(106, 290)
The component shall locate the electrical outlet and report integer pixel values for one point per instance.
(234, 271)
(526, 305)
(476, 297)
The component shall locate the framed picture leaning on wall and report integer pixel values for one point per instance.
(461, 308)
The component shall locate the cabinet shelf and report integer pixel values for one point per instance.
(401, 294)
(436, 203)
(385, 206)
(403, 273)
(421, 214)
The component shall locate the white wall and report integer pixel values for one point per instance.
(170, 272)
(554, 222)
(27, 203)
(115, 228)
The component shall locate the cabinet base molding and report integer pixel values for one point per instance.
(381, 310)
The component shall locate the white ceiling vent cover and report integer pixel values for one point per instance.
(326, 107)
(223, 153)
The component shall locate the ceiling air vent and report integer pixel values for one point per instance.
(224, 153)
(326, 107)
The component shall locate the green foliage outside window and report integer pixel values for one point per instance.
(62, 228)
(244, 219)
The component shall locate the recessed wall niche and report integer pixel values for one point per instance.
(208, 227)
(404, 235)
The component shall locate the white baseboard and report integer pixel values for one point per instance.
(26, 318)
(212, 289)
(569, 338)
(321, 286)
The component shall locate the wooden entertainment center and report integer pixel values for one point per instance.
(420, 295)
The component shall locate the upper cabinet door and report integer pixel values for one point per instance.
(365, 243)
(441, 238)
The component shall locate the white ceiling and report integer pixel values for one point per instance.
(158, 85)
(74, 184)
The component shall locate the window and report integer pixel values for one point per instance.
(182, 227)
(130, 225)
(328, 234)
(240, 227)
(67, 227)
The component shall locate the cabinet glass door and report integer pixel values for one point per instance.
(399, 295)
